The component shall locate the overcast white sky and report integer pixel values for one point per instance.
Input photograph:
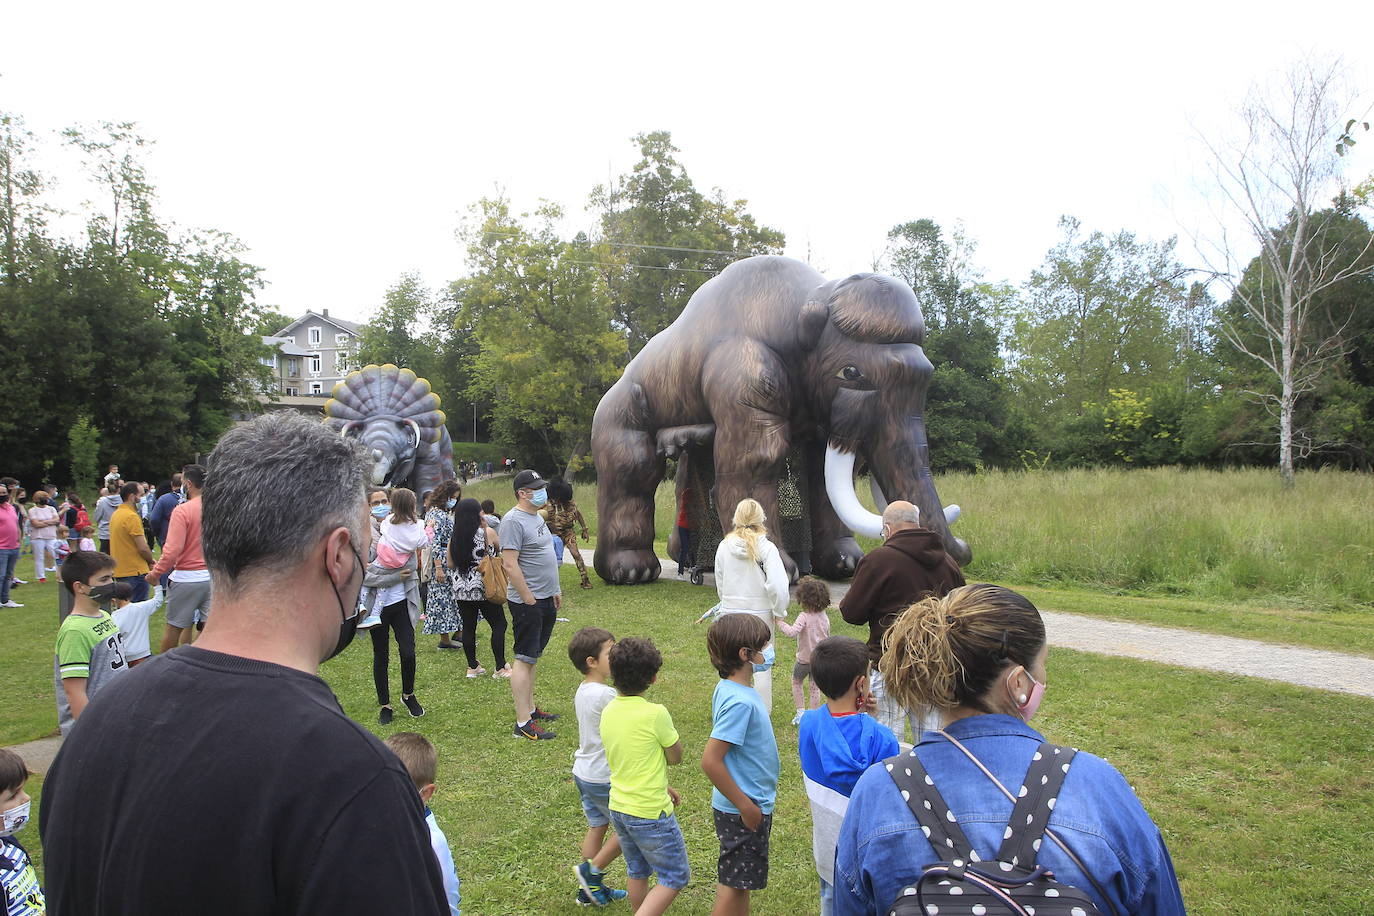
(344, 142)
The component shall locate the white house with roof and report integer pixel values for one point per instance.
(312, 353)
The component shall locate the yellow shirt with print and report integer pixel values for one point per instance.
(125, 526)
(634, 733)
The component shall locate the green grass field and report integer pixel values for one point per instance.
(1262, 790)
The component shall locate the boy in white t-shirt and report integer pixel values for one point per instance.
(422, 763)
(590, 651)
(132, 618)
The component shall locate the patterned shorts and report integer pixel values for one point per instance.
(743, 862)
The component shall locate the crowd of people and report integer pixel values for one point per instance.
(296, 571)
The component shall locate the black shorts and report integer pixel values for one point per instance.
(743, 862)
(801, 671)
(533, 625)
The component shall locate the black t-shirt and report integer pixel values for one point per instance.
(212, 784)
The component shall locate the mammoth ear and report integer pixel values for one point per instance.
(811, 322)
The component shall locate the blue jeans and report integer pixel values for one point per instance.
(653, 846)
(9, 558)
(827, 897)
(596, 801)
(138, 584)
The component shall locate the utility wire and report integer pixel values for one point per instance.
(737, 254)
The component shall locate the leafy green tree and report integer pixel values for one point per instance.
(661, 238)
(1099, 314)
(394, 335)
(544, 324)
(969, 423)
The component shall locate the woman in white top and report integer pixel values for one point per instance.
(750, 579)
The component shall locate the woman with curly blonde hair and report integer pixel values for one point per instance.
(977, 656)
(751, 579)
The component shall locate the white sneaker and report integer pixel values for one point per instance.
(476, 672)
(796, 720)
(18, 581)
(11, 603)
(370, 621)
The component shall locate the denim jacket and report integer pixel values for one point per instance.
(881, 848)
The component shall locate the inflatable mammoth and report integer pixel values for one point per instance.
(397, 416)
(769, 356)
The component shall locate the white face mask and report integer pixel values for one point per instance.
(14, 819)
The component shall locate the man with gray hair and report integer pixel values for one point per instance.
(296, 808)
(910, 565)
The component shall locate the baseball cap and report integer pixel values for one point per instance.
(529, 480)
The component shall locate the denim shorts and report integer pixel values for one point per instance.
(533, 625)
(596, 801)
(653, 846)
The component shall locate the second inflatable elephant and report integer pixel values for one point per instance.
(769, 356)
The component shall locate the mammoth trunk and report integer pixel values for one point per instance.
(901, 470)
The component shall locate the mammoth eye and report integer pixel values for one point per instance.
(850, 374)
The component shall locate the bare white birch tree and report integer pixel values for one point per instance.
(1281, 171)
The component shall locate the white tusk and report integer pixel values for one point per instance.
(952, 513)
(839, 486)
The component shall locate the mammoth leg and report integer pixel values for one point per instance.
(834, 552)
(629, 469)
(750, 395)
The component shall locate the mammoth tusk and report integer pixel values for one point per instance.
(347, 427)
(952, 511)
(839, 486)
(415, 430)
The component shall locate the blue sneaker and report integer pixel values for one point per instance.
(592, 886)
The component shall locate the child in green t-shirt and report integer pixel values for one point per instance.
(90, 650)
(641, 743)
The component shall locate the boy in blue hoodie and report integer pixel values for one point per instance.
(837, 743)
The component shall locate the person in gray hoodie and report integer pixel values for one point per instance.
(104, 510)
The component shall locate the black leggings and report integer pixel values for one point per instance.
(496, 616)
(397, 617)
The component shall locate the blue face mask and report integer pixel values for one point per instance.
(768, 658)
(381, 511)
(539, 498)
(451, 503)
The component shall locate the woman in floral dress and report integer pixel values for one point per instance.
(441, 609)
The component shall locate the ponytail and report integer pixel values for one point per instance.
(947, 652)
(749, 520)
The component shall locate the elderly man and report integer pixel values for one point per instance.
(296, 808)
(910, 565)
(534, 595)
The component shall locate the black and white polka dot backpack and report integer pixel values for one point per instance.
(962, 884)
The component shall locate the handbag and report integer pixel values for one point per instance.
(494, 579)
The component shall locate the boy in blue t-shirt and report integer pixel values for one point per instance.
(837, 743)
(741, 760)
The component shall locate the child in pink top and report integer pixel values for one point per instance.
(812, 626)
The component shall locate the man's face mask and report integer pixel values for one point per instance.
(349, 627)
(539, 498)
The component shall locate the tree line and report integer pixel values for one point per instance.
(138, 341)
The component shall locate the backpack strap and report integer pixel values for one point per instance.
(1034, 804)
(936, 820)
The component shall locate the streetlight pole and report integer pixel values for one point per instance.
(474, 421)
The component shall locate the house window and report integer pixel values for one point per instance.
(316, 388)
(293, 392)
(341, 340)
(341, 360)
(269, 361)
(314, 364)
(293, 366)
(314, 337)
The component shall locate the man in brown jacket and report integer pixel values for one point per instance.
(910, 565)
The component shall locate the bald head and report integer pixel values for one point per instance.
(900, 516)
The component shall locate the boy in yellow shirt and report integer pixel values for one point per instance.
(640, 743)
